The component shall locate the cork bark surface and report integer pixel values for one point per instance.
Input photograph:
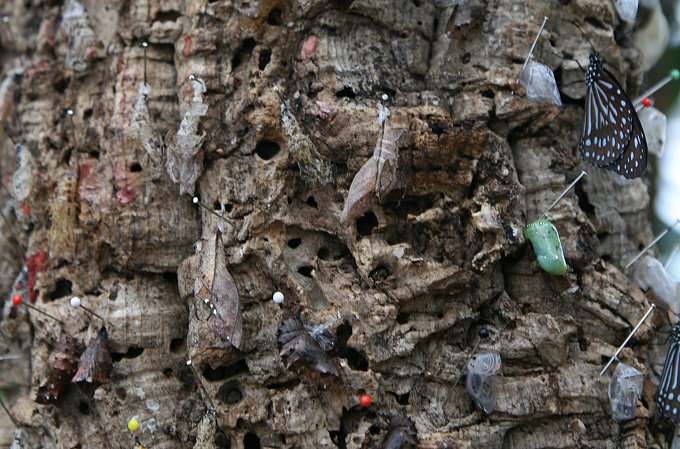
(403, 289)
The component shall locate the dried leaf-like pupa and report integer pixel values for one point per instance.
(95, 364)
(142, 135)
(482, 379)
(297, 344)
(378, 177)
(184, 158)
(63, 364)
(205, 435)
(80, 37)
(547, 246)
(313, 168)
(216, 288)
(61, 235)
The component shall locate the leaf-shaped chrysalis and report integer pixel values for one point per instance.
(378, 177)
(184, 162)
(547, 246)
(215, 287)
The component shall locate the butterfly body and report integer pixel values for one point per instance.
(668, 395)
(611, 136)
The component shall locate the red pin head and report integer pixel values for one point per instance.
(16, 299)
(646, 102)
(365, 400)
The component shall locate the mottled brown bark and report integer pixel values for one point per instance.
(405, 287)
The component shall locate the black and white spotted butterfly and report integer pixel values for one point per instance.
(668, 395)
(612, 136)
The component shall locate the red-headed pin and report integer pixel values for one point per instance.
(646, 102)
(18, 299)
(365, 400)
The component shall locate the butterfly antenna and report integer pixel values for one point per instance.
(583, 33)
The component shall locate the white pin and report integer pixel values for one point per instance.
(563, 194)
(76, 303)
(653, 242)
(277, 297)
(201, 384)
(672, 76)
(623, 345)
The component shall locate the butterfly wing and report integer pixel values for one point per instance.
(668, 395)
(608, 120)
(633, 161)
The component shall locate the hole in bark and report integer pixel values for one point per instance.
(88, 113)
(136, 167)
(230, 393)
(121, 393)
(61, 85)
(346, 92)
(583, 202)
(355, 360)
(167, 372)
(170, 277)
(83, 408)
(306, 271)
(294, 243)
(222, 441)
(131, 353)
(323, 254)
(266, 149)
(374, 429)
(466, 58)
(366, 223)
(402, 318)
(243, 53)
(222, 372)
(379, 273)
(251, 441)
(342, 4)
(402, 399)
(61, 288)
(274, 17)
(94, 154)
(311, 202)
(265, 57)
(167, 16)
(177, 345)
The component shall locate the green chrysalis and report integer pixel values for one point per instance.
(547, 246)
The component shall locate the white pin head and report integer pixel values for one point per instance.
(75, 302)
(278, 297)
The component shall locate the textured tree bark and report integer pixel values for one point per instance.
(405, 288)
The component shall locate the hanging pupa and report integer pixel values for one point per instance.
(547, 246)
(482, 379)
(539, 83)
(625, 388)
(654, 123)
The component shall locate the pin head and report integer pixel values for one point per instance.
(133, 424)
(675, 74)
(75, 302)
(484, 332)
(278, 297)
(646, 102)
(145, 44)
(16, 300)
(365, 400)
